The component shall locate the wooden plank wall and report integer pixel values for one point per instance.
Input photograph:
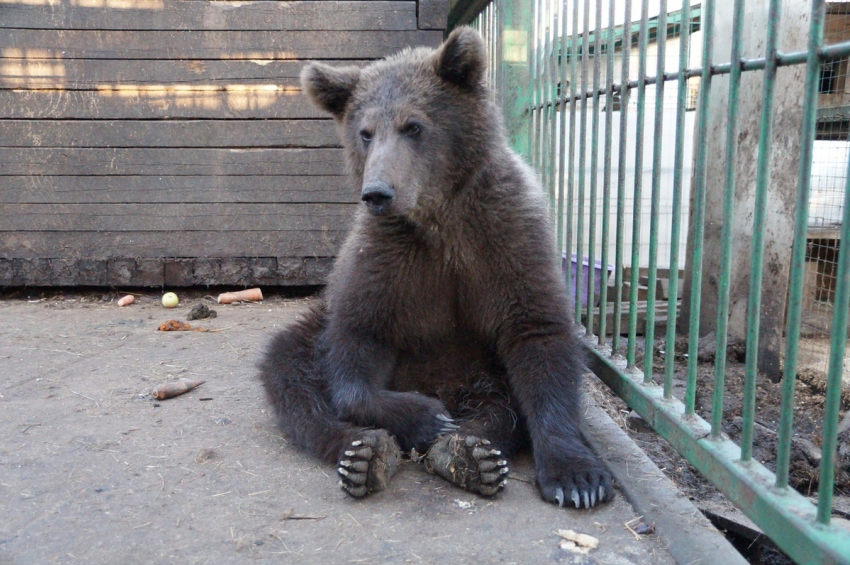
(167, 143)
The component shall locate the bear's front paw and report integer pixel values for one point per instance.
(415, 420)
(582, 481)
(368, 464)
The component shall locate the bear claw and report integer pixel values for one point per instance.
(579, 478)
(447, 423)
(466, 462)
(369, 464)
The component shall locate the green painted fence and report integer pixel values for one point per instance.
(547, 69)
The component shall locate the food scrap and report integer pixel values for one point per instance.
(250, 295)
(170, 300)
(576, 542)
(178, 326)
(127, 300)
(176, 388)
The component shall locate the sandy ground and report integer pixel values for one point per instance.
(92, 470)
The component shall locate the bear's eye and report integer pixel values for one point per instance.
(366, 135)
(412, 129)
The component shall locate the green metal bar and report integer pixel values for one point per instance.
(553, 116)
(516, 75)
(582, 164)
(655, 206)
(837, 345)
(728, 199)
(798, 250)
(787, 516)
(546, 92)
(831, 53)
(636, 210)
(675, 226)
(571, 181)
(535, 94)
(606, 175)
(562, 134)
(621, 187)
(699, 205)
(748, 408)
(594, 172)
(673, 19)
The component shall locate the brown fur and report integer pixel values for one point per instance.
(447, 295)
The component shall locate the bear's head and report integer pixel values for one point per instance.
(415, 126)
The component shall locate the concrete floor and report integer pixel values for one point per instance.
(92, 470)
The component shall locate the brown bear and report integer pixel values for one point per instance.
(445, 326)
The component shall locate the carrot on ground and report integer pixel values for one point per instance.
(176, 388)
(249, 295)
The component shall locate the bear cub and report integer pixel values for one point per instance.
(445, 326)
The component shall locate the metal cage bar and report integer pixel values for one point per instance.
(728, 203)
(675, 225)
(654, 213)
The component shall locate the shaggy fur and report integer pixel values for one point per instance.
(447, 296)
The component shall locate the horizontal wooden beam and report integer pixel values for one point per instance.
(106, 74)
(274, 218)
(37, 189)
(154, 162)
(154, 244)
(169, 133)
(168, 271)
(116, 102)
(32, 44)
(202, 15)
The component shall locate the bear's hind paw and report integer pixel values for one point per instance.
(368, 464)
(468, 462)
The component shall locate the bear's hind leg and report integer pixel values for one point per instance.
(366, 458)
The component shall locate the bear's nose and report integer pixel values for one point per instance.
(377, 196)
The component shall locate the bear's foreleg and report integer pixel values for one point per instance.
(358, 369)
(545, 373)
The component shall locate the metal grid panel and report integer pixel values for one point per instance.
(611, 88)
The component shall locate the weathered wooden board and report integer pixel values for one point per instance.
(132, 271)
(265, 217)
(82, 244)
(168, 133)
(166, 142)
(154, 162)
(201, 15)
(39, 189)
(433, 14)
(135, 103)
(83, 74)
(92, 44)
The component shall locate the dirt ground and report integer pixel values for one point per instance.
(93, 470)
(808, 428)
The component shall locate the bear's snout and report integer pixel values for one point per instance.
(377, 195)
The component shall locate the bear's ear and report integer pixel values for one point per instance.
(461, 59)
(329, 88)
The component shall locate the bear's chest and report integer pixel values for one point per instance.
(421, 304)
